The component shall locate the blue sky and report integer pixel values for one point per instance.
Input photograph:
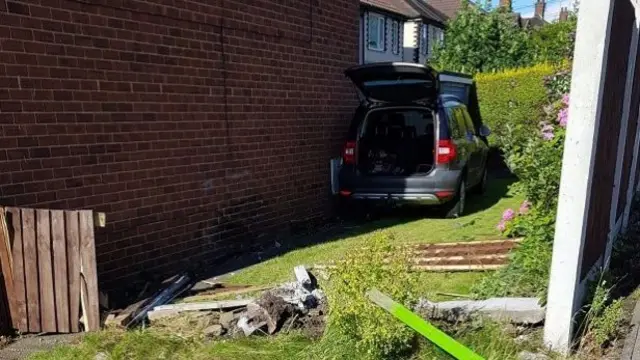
(526, 7)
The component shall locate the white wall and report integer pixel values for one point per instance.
(410, 42)
(371, 56)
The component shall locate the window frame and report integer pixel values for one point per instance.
(395, 43)
(382, 31)
(424, 39)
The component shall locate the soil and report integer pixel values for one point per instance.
(25, 346)
(277, 309)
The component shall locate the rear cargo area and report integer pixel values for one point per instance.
(397, 142)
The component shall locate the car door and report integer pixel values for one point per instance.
(476, 153)
(457, 131)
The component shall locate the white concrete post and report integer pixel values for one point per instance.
(592, 42)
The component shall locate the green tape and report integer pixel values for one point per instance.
(423, 327)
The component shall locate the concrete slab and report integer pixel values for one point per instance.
(515, 310)
(631, 349)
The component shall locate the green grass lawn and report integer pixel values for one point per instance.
(483, 214)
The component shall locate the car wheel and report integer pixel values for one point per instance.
(352, 211)
(455, 208)
(482, 185)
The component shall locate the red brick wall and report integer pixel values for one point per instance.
(199, 129)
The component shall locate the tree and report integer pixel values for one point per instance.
(478, 41)
(554, 43)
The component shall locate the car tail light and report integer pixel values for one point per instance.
(349, 153)
(444, 195)
(446, 152)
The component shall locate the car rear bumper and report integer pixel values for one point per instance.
(436, 188)
(417, 199)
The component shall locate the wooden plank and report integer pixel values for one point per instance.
(123, 318)
(6, 263)
(59, 247)
(213, 305)
(89, 272)
(20, 322)
(215, 294)
(45, 270)
(31, 269)
(73, 267)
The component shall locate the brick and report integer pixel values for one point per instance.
(17, 8)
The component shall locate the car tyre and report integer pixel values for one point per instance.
(481, 188)
(455, 208)
(351, 211)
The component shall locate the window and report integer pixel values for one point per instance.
(424, 39)
(461, 91)
(454, 127)
(376, 32)
(462, 123)
(395, 37)
(468, 121)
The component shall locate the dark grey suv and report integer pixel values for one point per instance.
(416, 138)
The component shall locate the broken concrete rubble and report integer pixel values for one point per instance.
(526, 355)
(525, 311)
(214, 330)
(294, 305)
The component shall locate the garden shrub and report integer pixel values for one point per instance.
(512, 98)
(554, 43)
(482, 41)
(535, 157)
(353, 318)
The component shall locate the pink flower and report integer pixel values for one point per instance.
(508, 215)
(547, 135)
(563, 117)
(524, 207)
(565, 99)
(547, 128)
(502, 226)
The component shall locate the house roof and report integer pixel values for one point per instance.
(448, 7)
(429, 11)
(533, 22)
(400, 7)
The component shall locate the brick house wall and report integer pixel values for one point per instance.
(201, 130)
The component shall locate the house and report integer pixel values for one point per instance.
(202, 132)
(448, 7)
(399, 30)
(451, 7)
(537, 20)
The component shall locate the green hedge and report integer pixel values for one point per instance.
(512, 97)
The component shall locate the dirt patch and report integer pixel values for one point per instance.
(277, 310)
(314, 323)
(23, 347)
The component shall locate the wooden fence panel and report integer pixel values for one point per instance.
(51, 254)
(60, 270)
(73, 260)
(31, 269)
(90, 276)
(45, 271)
(7, 290)
(20, 322)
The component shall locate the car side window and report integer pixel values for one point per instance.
(459, 118)
(468, 121)
(454, 126)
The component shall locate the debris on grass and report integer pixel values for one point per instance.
(298, 305)
(523, 311)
